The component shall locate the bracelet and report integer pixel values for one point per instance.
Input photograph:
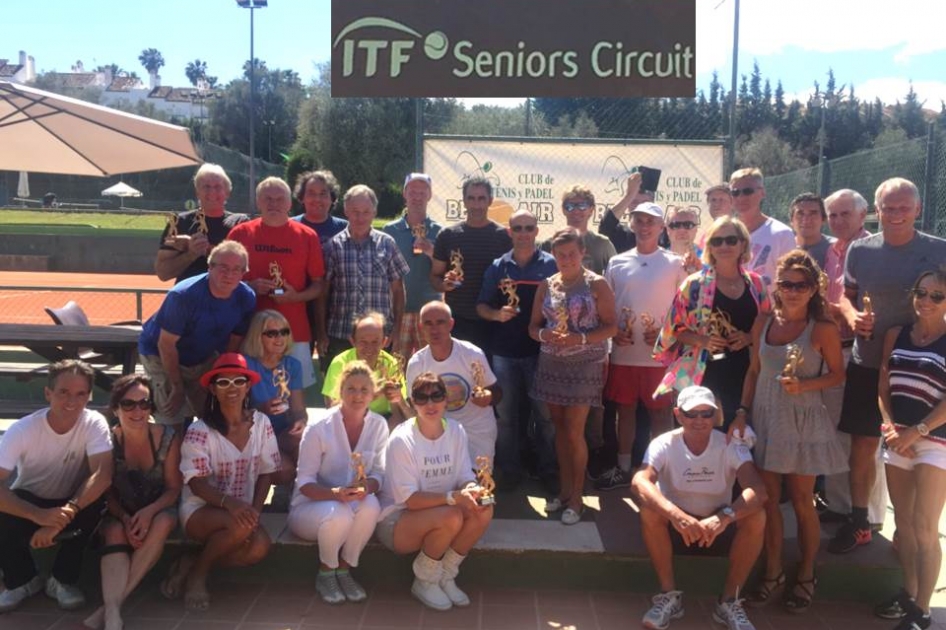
(223, 499)
(539, 335)
(74, 504)
(584, 339)
(743, 409)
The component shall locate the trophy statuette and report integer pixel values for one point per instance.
(275, 273)
(484, 479)
(360, 481)
(793, 358)
(508, 286)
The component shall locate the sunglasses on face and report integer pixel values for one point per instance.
(684, 225)
(572, 206)
(787, 285)
(238, 381)
(127, 404)
(936, 297)
(421, 398)
(276, 332)
(706, 414)
(523, 228)
(748, 190)
(732, 241)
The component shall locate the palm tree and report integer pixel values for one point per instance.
(151, 59)
(195, 71)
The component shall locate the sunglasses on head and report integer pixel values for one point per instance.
(422, 398)
(787, 285)
(571, 206)
(677, 225)
(748, 190)
(237, 381)
(523, 228)
(276, 332)
(936, 297)
(127, 404)
(732, 241)
(706, 413)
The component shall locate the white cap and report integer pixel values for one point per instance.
(650, 208)
(694, 396)
(414, 176)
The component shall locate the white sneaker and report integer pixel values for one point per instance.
(12, 598)
(457, 597)
(352, 589)
(666, 606)
(68, 597)
(326, 585)
(732, 615)
(431, 595)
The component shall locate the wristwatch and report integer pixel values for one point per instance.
(451, 499)
(728, 512)
(922, 429)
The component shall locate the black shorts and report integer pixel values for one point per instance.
(860, 412)
(720, 546)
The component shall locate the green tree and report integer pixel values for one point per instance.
(769, 152)
(151, 59)
(195, 71)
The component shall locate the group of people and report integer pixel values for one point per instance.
(475, 346)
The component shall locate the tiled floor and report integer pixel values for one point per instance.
(262, 606)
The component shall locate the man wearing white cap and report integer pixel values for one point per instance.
(684, 490)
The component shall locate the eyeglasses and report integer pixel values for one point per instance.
(127, 404)
(936, 297)
(272, 333)
(732, 241)
(422, 398)
(571, 206)
(228, 268)
(787, 285)
(238, 381)
(522, 228)
(748, 190)
(685, 225)
(706, 414)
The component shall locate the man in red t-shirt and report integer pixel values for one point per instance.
(286, 267)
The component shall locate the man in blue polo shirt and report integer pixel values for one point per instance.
(515, 354)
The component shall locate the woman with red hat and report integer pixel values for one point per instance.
(227, 459)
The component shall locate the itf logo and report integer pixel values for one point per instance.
(397, 51)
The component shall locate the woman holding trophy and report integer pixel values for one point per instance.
(796, 356)
(341, 468)
(278, 393)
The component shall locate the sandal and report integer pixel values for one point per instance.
(797, 604)
(172, 586)
(765, 591)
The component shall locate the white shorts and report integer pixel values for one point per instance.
(927, 452)
(300, 352)
(384, 530)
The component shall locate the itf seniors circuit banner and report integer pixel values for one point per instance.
(533, 175)
(513, 48)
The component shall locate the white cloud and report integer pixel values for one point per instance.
(893, 89)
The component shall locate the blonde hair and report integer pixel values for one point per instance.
(207, 170)
(752, 172)
(895, 183)
(356, 368)
(274, 182)
(741, 231)
(253, 341)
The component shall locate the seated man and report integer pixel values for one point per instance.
(63, 459)
(684, 490)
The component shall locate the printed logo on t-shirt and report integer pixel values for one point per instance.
(699, 475)
(759, 259)
(458, 391)
(433, 467)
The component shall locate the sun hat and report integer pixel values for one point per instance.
(229, 363)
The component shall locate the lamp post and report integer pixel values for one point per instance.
(251, 5)
(822, 101)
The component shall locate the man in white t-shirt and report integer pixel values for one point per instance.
(769, 238)
(685, 490)
(471, 385)
(63, 459)
(645, 281)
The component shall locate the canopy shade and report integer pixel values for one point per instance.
(121, 189)
(44, 132)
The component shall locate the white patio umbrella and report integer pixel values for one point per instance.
(23, 186)
(121, 190)
(44, 132)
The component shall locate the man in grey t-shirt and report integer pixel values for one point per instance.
(882, 267)
(807, 214)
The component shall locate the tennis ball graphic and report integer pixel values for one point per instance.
(435, 45)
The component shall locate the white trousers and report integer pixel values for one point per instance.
(341, 529)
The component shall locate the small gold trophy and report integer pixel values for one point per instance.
(456, 267)
(395, 373)
(629, 317)
(361, 479)
(868, 309)
(281, 383)
(561, 319)
(201, 219)
(508, 286)
(484, 479)
(275, 272)
(479, 379)
(172, 227)
(793, 358)
(719, 324)
(420, 233)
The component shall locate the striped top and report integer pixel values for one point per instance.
(917, 380)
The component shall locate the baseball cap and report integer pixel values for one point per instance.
(694, 396)
(423, 177)
(649, 208)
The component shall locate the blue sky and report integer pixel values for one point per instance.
(870, 45)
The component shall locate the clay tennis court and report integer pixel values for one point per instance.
(105, 298)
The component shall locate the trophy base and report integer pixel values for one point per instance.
(488, 500)
(281, 408)
(278, 292)
(359, 486)
(719, 356)
(417, 252)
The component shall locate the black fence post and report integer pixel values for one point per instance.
(930, 209)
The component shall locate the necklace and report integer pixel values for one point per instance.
(923, 338)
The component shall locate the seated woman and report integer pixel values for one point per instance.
(367, 340)
(278, 393)
(227, 459)
(341, 467)
(142, 504)
(429, 500)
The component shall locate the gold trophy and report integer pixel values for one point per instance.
(508, 286)
(361, 479)
(172, 227)
(281, 382)
(479, 379)
(719, 324)
(868, 309)
(629, 317)
(456, 267)
(395, 373)
(561, 319)
(275, 272)
(420, 233)
(201, 219)
(793, 358)
(484, 479)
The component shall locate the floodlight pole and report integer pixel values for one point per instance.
(732, 101)
(252, 5)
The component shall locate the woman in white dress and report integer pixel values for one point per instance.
(341, 468)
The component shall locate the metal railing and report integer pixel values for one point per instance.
(25, 304)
